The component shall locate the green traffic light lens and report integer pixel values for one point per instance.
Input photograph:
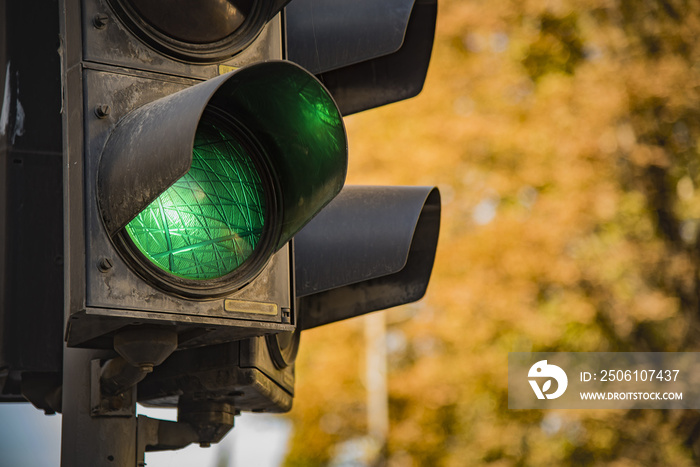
(211, 220)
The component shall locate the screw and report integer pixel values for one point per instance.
(105, 264)
(100, 20)
(102, 110)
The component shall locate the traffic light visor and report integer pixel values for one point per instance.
(199, 188)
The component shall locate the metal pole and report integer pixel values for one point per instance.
(377, 388)
(86, 440)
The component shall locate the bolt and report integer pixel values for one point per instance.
(105, 264)
(100, 20)
(102, 110)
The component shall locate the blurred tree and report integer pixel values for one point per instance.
(564, 137)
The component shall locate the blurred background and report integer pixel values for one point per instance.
(564, 138)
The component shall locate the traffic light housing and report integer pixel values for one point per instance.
(183, 195)
(143, 235)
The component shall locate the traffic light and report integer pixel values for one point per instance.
(175, 172)
(183, 194)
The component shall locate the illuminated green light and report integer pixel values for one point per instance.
(210, 221)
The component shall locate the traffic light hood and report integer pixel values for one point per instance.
(372, 248)
(282, 112)
(367, 53)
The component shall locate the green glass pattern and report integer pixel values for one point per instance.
(209, 222)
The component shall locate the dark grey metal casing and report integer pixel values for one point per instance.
(117, 296)
(109, 66)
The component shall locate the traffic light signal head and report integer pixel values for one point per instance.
(192, 193)
(198, 189)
